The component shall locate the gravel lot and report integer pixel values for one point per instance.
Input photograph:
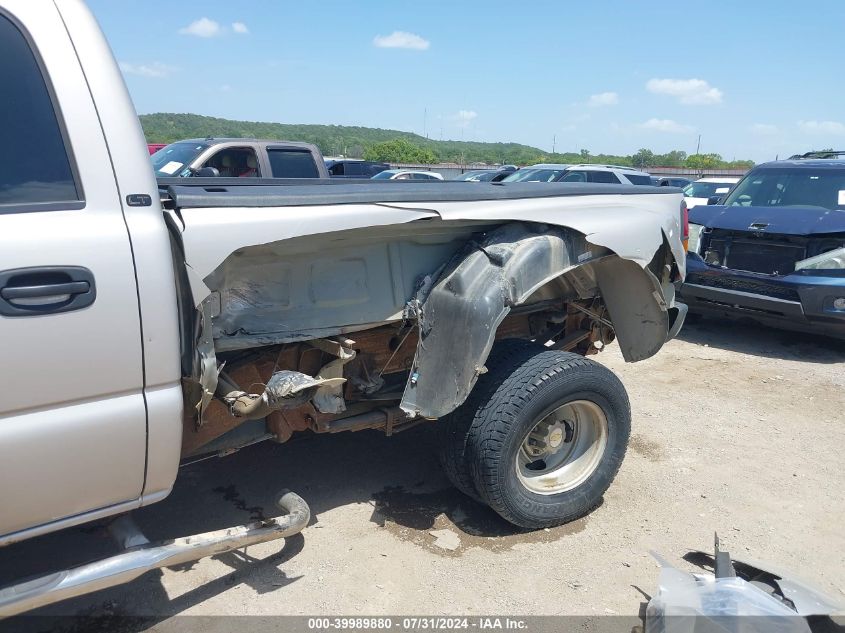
(736, 429)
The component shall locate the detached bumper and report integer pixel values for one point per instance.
(797, 302)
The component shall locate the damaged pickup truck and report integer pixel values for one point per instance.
(140, 331)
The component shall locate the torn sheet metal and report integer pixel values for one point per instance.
(632, 226)
(325, 285)
(206, 369)
(460, 315)
(637, 307)
(212, 234)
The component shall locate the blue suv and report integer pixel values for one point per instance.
(773, 250)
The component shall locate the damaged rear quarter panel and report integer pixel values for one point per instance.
(249, 257)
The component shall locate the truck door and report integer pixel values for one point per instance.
(72, 412)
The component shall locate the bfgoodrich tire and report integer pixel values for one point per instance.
(549, 438)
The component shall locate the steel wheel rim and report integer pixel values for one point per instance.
(563, 449)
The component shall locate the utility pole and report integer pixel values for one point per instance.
(554, 142)
(425, 122)
(698, 145)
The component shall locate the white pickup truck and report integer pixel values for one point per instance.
(144, 323)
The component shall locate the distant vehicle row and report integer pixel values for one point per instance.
(254, 158)
(607, 174)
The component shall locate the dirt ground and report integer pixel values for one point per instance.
(736, 429)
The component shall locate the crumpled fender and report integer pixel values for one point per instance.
(460, 314)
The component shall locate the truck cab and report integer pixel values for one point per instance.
(239, 158)
(90, 347)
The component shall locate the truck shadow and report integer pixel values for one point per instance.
(758, 340)
(398, 476)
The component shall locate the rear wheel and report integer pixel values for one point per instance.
(453, 430)
(548, 441)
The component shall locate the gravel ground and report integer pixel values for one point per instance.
(736, 429)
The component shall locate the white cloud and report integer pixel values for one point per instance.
(240, 28)
(603, 99)
(830, 128)
(464, 117)
(764, 129)
(687, 91)
(401, 39)
(202, 28)
(156, 70)
(666, 125)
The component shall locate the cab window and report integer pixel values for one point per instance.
(607, 177)
(34, 165)
(636, 179)
(235, 162)
(575, 176)
(354, 169)
(292, 163)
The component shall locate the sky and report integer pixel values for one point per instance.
(755, 79)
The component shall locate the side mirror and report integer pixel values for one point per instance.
(206, 172)
(714, 200)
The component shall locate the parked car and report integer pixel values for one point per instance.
(700, 191)
(239, 158)
(137, 334)
(351, 168)
(553, 172)
(484, 175)
(774, 251)
(407, 174)
(673, 181)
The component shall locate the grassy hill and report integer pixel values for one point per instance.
(352, 141)
(331, 139)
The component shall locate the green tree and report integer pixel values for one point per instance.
(585, 155)
(704, 161)
(675, 158)
(741, 164)
(643, 158)
(400, 150)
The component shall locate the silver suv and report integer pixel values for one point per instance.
(553, 172)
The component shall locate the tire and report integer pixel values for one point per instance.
(452, 430)
(577, 414)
